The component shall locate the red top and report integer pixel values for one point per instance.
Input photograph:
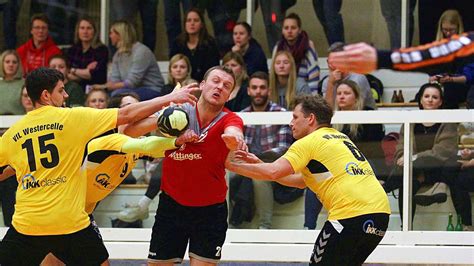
(194, 175)
(33, 58)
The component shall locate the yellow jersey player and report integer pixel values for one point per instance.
(340, 175)
(46, 148)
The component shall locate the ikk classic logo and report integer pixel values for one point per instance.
(29, 182)
(369, 228)
(354, 169)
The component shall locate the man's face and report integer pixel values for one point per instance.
(258, 91)
(217, 87)
(299, 124)
(39, 30)
(58, 96)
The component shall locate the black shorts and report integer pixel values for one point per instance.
(84, 247)
(176, 225)
(349, 241)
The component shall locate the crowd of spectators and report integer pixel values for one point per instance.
(92, 80)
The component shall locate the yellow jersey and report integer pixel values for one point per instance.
(339, 174)
(46, 148)
(107, 164)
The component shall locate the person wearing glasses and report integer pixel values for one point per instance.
(37, 51)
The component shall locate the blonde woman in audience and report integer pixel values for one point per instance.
(88, 55)
(284, 85)
(97, 98)
(179, 70)
(134, 67)
(296, 41)
(74, 90)
(238, 99)
(449, 23)
(25, 100)
(11, 83)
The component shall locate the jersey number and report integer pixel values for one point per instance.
(124, 170)
(43, 148)
(356, 152)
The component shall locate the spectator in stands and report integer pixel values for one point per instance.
(196, 43)
(329, 14)
(284, 85)
(238, 99)
(173, 19)
(456, 82)
(296, 41)
(335, 75)
(179, 70)
(10, 9)
(97, 98)
(134, 66)
(268, 142)
(74, 90)
(367, 137)
(127, 10)
(249, 48)
(434, 151)
(25, 100)
(37, 51)
(88, 56)
(11, 83)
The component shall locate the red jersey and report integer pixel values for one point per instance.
(194, 174)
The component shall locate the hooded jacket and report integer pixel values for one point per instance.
(33, 58)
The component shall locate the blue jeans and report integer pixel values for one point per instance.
(145, 93)
(126, 9)
(10, 15)
(312, 208)
(173, 18)
(273, 29)
(328, 13)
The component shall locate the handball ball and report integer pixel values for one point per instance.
(173, 121)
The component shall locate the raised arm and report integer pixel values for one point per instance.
(138, 111)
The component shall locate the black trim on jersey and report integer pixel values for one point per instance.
(108, 132)
(100, 156)
(315, 167)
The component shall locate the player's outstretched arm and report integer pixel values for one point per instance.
(237, 163)
(233, 138)
(141, 127)
(138, 111)
(157, 146)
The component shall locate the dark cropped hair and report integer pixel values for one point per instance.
(425, 86)
(295, 17)
(314, 104)
(247, 27)
(221, 68)
(116, 101)
(260, 75)
(41, 79)
(62, 57)
(40, 16)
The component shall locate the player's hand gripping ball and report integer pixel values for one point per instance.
(173, 121)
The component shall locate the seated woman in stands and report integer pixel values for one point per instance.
(97, 98)
(11, 83)
(134, 67)
(434, 154)
(179, 70)
(25, 100)
(197, 44)
(296, 41)
(284, 85)
(238, 99)
(88, 55)
(249, 48)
